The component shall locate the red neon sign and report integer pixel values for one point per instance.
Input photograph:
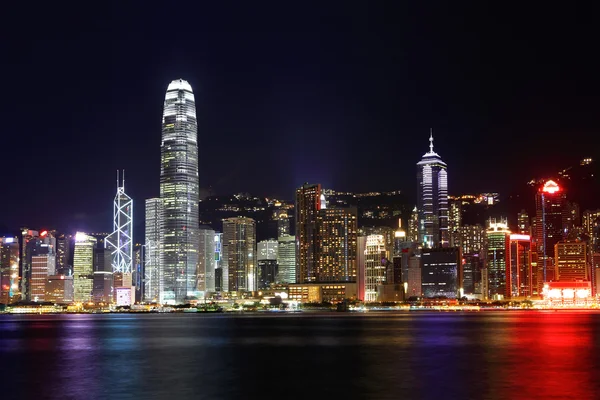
(44, 233)
(550, 187)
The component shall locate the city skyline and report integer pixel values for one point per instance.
(273, 92)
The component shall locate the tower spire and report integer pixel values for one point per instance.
(431, 140)
(123, 185)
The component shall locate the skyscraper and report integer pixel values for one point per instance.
(267, 269)
(239, 243)
(375, 257)
(550, 203)
(497, 260)
(432, 199)
(519, 279)
(9, 270)
(152, 250)
(571, 261)
(83, 267)
(286, 259)
(206, 260)
(308, 204)
(336, 238)
(120, 241)
(179, 194)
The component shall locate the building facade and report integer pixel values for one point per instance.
(336, 237)
(308, 204)
(286, 259)
(432, 200)
(83, 267)
(206, 260)
(239, 243)
(179, 192)
(152, 250)
(497, 259)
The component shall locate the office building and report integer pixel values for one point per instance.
(523, 223)
(59, 289)
(267, 270)
(308, 203)
(64, 246)
(454, 222)
(221, 265)
(551, 225)
(440, 272)
(27, 250)
(472, 264)
(375, 257)
(239, 243)
(120, 241)
(497, 260)
(336, 245)
(286, 259)
(42, 265)
(432, 199)
(206, 260)
(571, 261)
(9, 270)
(413, 226)
(414, 281)
(152, 250)
(83, 267)
(520, 275)
(103, 276)
(472, 238)
(179, 192)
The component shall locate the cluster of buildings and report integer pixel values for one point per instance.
(319, 251)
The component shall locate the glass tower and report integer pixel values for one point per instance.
(432, 200)
(179, 194)
(83, 267)
(152, 250)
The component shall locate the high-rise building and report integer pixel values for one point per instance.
(63, 255)
(375, 255)
(336, 245)
(472, 264)
(571, 261)
(267, 269)
(572, 221)
(239, 242)
(413, 226)
(432, 199)
(221, 265)
(497, 260)
(103, 275)
(83, 267)
(42, 244)
(550, 204)
(523, 223)
(440, 272)
(472, 238)
(454, 222)
(26, 235)
(286, 259)
(519, 278)
(9, 270)
(59, 289)
(206, 260)
(308, 204)
(413, 284)
(152, 250)
(179, 192)
(120, 241)
(42, 265)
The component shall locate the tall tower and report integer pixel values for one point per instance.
(239, 242)
(308, 204)
(432, 199)
(152, 250)
(550, 225)
(179, 194)
(83, 267)
(497, 258)
(120, 241)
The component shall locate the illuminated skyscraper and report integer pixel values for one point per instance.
(120, 241)
(497, 260)
(440, 272)
(432, 199)
(152, 250)
(179, 193)
(413, 226)
(83, 267)
(375, 253)
(239, 242)
(9, 270)
(454, 222)
(267, 268)
(520, 279)
(472, 238)
(336, 237)
(524, 226)
(308, 204)
(286, 259)
(550, 225)
(206, 260)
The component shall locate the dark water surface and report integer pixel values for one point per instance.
(485, 355)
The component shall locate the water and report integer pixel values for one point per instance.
(485, 355)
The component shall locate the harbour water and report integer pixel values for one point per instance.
(477, 355)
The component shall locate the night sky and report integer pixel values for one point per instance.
(341, 94)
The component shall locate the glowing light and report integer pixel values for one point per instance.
(9, 240)
(517, 236)
(400, 234)
(555, 293)
(583, 293)
(80, 237)
(550, 187)
(568, 293)
(43, 233)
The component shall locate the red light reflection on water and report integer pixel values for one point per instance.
(546, 355)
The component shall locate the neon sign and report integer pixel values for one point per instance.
(550, 187)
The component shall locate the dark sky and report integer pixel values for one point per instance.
(340, 93)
